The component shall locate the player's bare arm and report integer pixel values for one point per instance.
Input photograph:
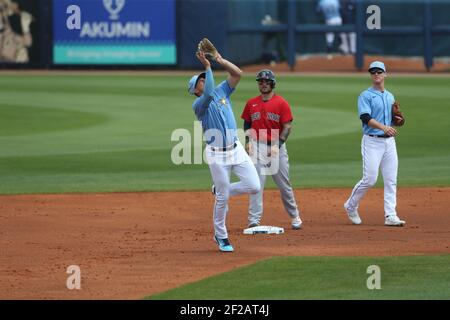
(285, 132)
(248, 145)
(234, 72)
(390, 131)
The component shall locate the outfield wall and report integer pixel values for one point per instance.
(163, 33)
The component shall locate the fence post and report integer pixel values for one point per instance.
(427, 36)
(291, 24)
(359, 56)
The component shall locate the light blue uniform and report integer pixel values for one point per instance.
(378, 105)
(330, 9)
(377, 150)
(214, 110)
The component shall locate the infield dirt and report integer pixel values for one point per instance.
(130, 245)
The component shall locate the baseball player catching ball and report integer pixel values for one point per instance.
(378, 148)
(224, 152)
(270, 118)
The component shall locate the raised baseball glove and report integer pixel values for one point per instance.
(398, 118)
(208, 48)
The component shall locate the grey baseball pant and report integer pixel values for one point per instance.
(266, 166)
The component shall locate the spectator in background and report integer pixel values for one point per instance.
(348, 10)
(270, 56)
(332, 15)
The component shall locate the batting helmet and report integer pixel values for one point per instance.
(266, 74)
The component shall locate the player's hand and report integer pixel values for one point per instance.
(201, 57)
(390, 131)
(249, 148)
(274, 150)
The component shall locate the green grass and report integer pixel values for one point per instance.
(302, 278)
(113, 133)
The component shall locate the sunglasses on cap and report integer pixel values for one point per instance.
(376, 71)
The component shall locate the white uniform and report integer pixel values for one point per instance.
(221, 164)
(377, 153)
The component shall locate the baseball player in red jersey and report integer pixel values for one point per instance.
(268, 123)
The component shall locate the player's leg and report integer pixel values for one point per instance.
(329, 38)
(344, 47)
(281, 178)
(372, 151)
(389, 168)
(255, 209)
(352, 36)
(221, 178)
(330, 35)
(256, 206)
(244, 168)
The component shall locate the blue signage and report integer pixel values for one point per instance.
(114, 32)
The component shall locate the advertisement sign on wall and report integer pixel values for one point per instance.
(114, 32)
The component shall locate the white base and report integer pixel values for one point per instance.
(264, 230)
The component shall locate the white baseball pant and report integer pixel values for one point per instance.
(377, 153)
(221, 164)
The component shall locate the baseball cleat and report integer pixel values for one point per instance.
(254, 224)
(353, 215)
(393, 220)
(296, 223)
(224, 244)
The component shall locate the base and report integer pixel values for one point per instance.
(264, 230)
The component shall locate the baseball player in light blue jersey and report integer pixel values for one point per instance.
(224, 152)
(332, 15)
(378, 147)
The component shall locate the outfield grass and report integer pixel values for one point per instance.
(302, 278)
(113, 133)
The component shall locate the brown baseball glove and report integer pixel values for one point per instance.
(398, 118)
(208, 48)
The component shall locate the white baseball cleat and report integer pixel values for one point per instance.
(296, 223)
(353, 215)
(393, 220)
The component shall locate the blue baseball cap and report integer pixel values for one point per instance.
(193, 82)
(377, 65)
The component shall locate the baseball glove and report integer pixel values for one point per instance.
(398, 118)
(208, 48)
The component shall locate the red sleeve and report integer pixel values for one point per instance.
(245, 114)
(286, 114)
